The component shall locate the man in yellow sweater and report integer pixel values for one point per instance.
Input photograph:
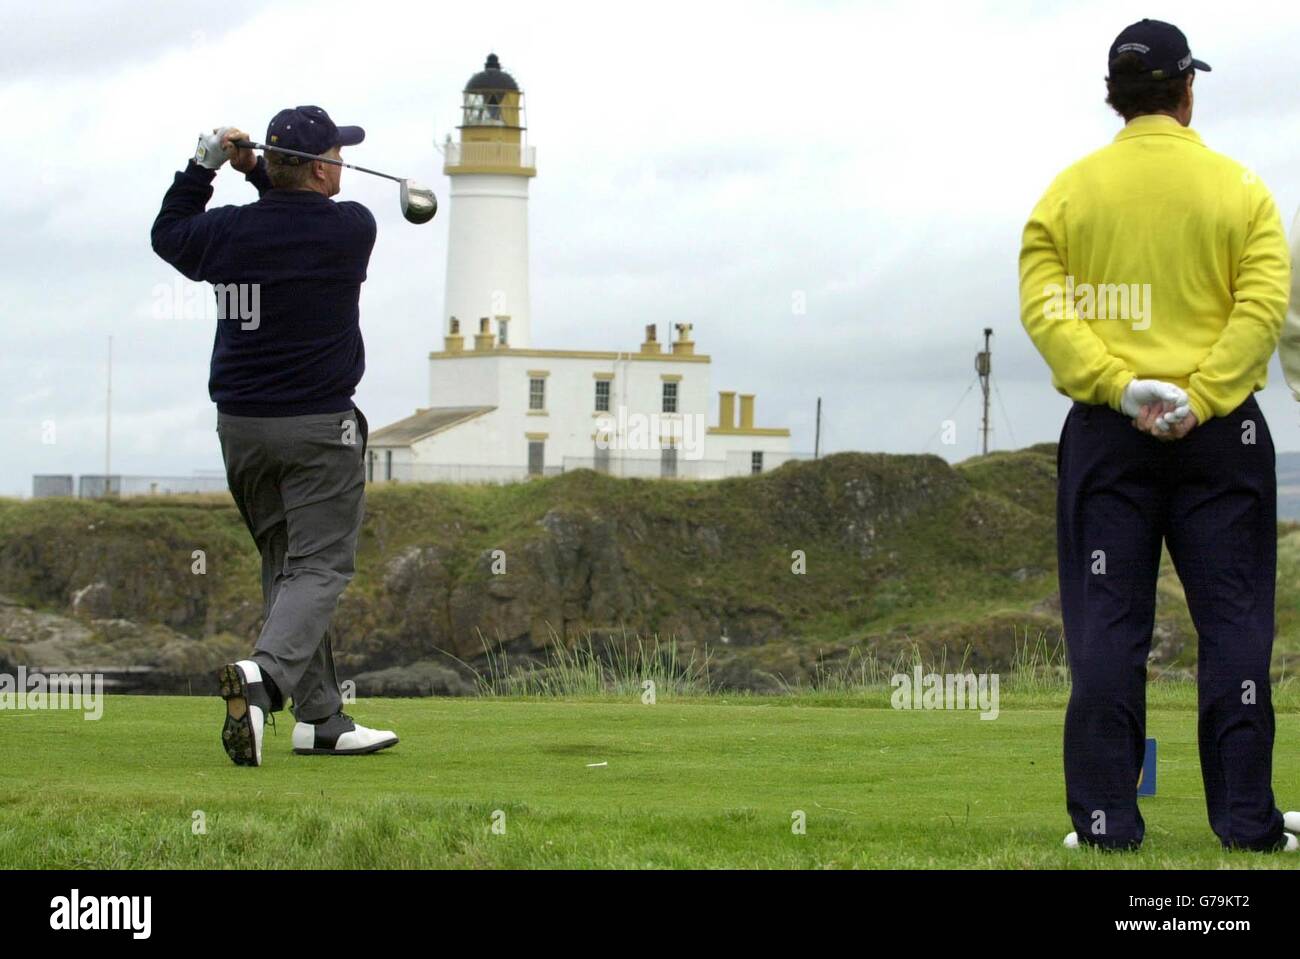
(1289, 347)
(1154, 277)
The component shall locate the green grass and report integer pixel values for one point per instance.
(696, 782)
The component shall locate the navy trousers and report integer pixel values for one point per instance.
(1212, 498)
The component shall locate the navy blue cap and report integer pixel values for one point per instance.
(1161, 48)
(310, 130)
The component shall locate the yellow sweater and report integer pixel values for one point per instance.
(1289, 346)
(1158, 258)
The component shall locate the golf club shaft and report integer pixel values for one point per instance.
(250, 145)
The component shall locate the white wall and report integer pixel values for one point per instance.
(487, 254)
(497, 441)
(735, 452)
(464, 381)
(569, 419)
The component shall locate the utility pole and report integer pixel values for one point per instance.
(984, 367)
(108, 424)
(817, 442)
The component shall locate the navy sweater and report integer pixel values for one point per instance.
(308, 256)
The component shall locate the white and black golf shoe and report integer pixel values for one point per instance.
(1291, 825)
(340, 735)
(247, 705)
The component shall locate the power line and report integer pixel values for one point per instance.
(1010, 429)
(951, 414)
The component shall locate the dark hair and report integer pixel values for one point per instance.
(1132, 92)
(287, 172)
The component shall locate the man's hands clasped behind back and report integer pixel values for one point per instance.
(1158, 408)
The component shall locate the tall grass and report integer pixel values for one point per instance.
(587, 666)
(626, 666)
(1037, 665)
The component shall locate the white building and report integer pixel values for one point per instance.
(500, 409)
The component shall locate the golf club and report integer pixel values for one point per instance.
(418, 202)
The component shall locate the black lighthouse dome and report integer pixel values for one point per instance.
(491, 77)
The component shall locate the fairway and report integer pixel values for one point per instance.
(696, 783)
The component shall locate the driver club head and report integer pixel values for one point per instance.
(418, 202)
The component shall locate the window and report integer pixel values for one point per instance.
(601, 459)
(536, 457)
(370, 467)
(756, 461)
(668, 462)
(503, 326)
(537, 393)
(483, 109)
(602, 396)
(388, 464)
(670, 397)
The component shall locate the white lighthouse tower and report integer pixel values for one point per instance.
(487, 252)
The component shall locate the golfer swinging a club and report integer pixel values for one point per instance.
(1154, 279)
(285, 364)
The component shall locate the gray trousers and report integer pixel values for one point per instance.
(299, 483)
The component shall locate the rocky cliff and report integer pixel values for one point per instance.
(774, 576)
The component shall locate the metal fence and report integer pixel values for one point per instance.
(458, 473)
(95, 485)
(742, 463)
(737, 463)
(52, 485)
(491, 154)
(649, 467)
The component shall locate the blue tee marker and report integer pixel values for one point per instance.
(1147, 778)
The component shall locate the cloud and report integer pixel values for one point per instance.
(697, 163)
(87, 38)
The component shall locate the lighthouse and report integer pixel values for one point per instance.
(487, 246)
(499, 408)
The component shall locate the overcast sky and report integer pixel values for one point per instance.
(702, 162)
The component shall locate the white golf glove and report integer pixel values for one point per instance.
(1140, 393)
(1176, 415)
(208, 154)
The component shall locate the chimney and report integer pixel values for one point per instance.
(483, 339)
(726, 410)
(684, 345)
(453, 342)
(746, 411)
(651, 345)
